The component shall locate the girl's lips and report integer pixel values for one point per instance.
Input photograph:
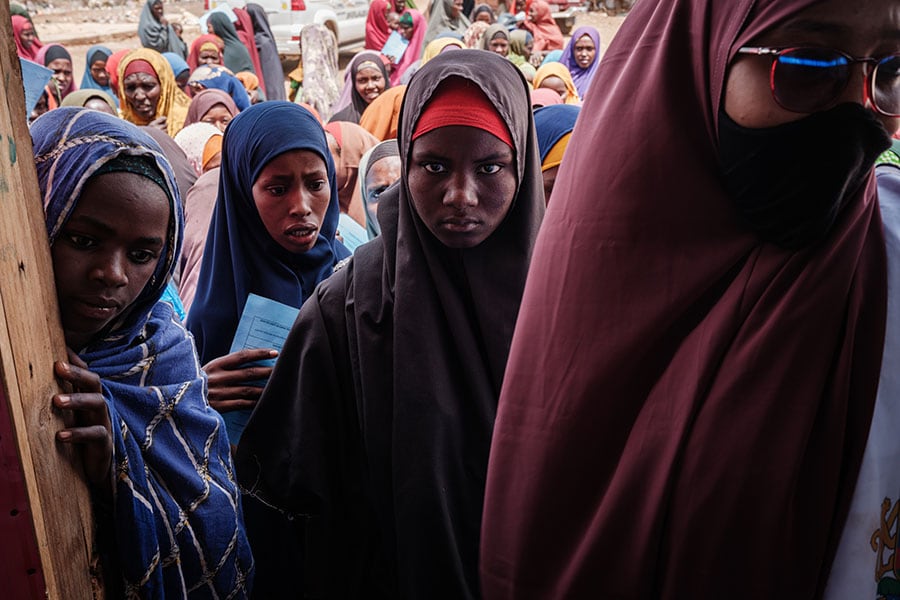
(302, 234)
(99, 309)
(460, 224)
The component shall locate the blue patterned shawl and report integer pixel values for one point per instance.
(178, 523)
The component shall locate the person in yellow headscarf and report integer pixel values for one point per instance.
(437, 46)
(148, 93)
(557, 77)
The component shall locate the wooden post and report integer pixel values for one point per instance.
(30, 340)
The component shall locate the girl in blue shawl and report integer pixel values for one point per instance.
(96, 77)
(169, 514)
(246, 254)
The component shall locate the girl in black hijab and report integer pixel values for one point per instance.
(375, 427)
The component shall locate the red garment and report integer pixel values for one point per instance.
(244, 27)
(685, 407)
(140, 66)
(112, 67)
(193, 59)
(414, 51)
(19, 24)
(462, 103)
(547, 35)
(377, 30)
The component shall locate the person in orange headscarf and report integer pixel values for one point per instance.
(381, 116)
(556, 77)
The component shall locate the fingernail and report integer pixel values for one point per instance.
(64, 435)
(63, 400)
(273, 353)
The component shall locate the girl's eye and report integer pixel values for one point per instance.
(489, 169)
(316, 186)
(434, 168)
(81, 241)
(376, 193)
(277, 190)
(141, 257)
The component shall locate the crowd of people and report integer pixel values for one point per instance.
(559, 327)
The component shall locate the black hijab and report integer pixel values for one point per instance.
(377, 421)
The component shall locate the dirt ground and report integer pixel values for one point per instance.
(79, 24)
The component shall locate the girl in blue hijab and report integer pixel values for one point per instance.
(169, 512)
(96, 77)
(272, 234)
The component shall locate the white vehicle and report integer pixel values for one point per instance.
(345, 18)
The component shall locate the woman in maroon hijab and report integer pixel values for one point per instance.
(692, 378)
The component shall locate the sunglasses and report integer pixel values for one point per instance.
(807, 80)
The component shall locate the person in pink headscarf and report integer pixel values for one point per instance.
(27, 43)
(547, 35)
(412, 27)
(377, 29)
(687, 409)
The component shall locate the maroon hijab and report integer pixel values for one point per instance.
(685, 408)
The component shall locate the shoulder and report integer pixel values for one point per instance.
(353, 281)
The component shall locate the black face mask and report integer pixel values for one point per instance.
(789, 182)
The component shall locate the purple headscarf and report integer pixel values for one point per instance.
(582, 77)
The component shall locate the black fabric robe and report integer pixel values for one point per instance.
(373, 433)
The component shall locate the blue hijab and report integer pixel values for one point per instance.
(88, 82)
(552, 56)
(217, 77)
(177, 62)
(240, 257)
(551, 123)
(175, 494)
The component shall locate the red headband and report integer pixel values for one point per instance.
(457, 101)
(140, 66)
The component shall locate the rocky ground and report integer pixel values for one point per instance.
(79, 24)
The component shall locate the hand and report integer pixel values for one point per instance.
(227, 379)
(92, 430)
(158, 123)
(536, 59)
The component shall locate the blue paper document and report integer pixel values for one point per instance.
(35, 77)
(352, 233)
(395, 46)
(264, 324)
